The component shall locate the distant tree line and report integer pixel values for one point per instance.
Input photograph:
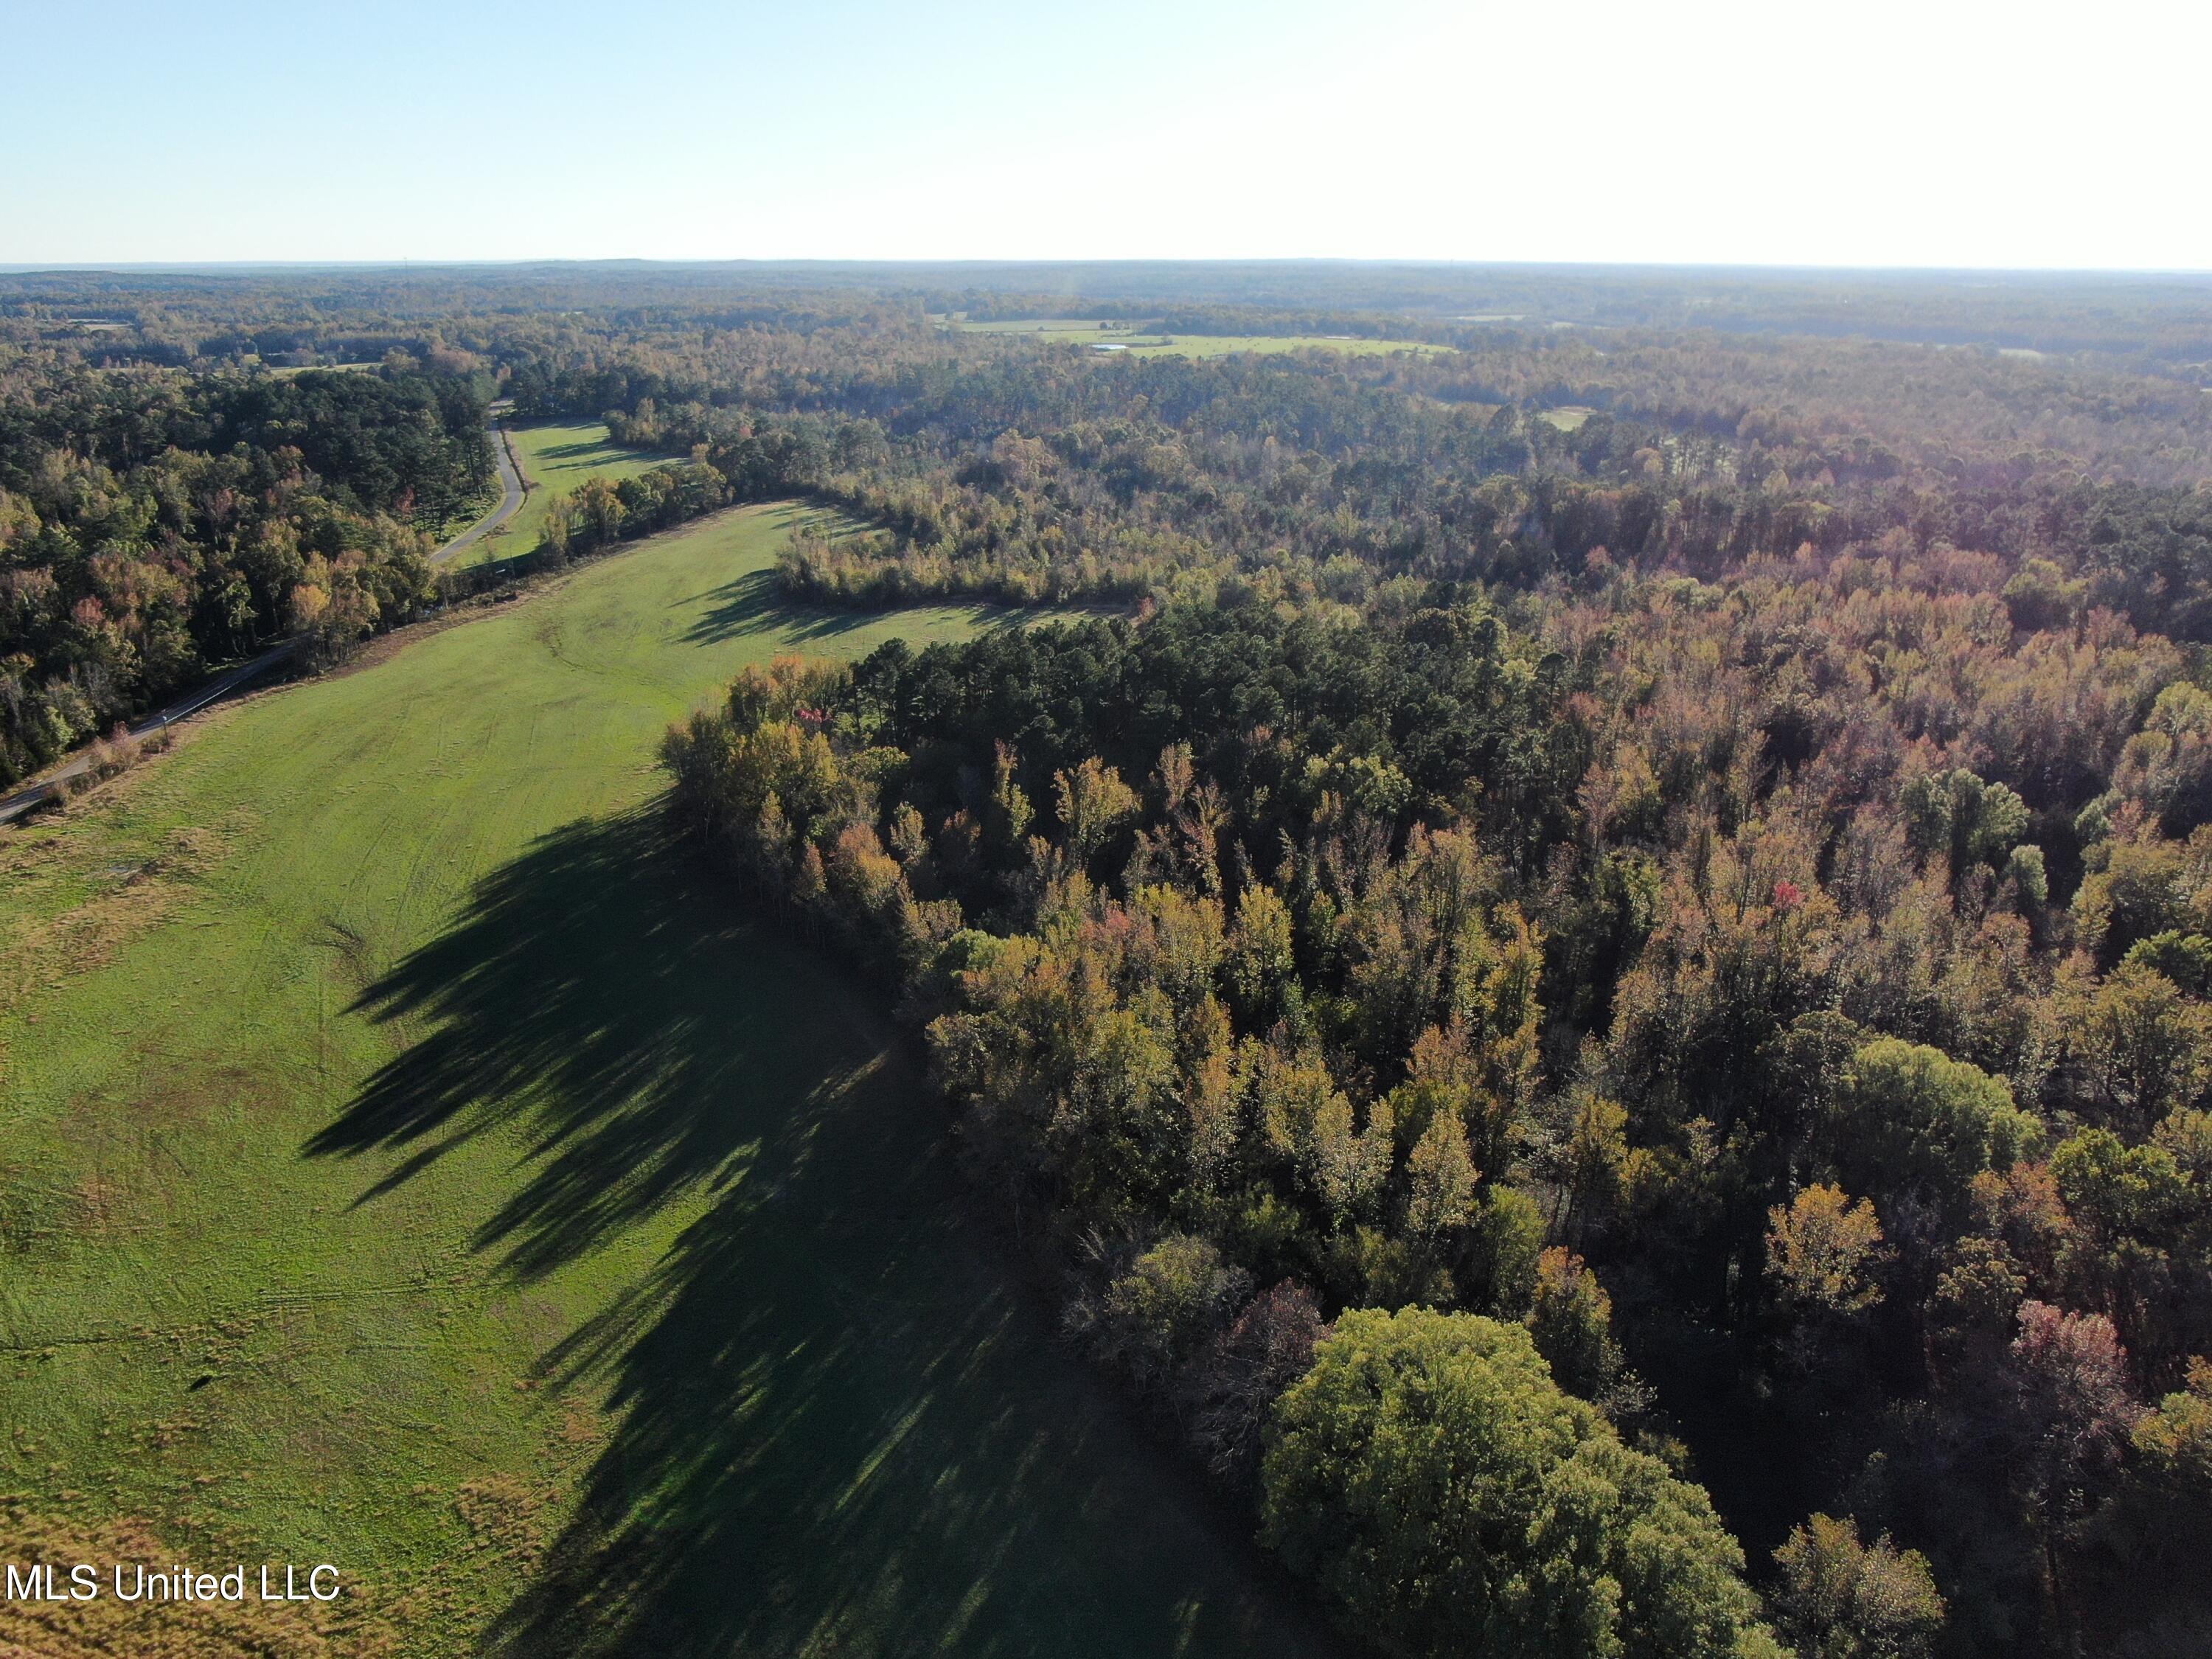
(993, 467)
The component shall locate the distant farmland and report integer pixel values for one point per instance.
(1140, 341)
(1221, 345)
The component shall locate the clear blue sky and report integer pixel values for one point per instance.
(1887, 132)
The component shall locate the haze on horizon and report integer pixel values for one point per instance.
(1950, 136)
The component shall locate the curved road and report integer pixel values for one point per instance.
(510, 502)
(14, 805)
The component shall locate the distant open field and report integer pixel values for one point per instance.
(555, 458)
(1141, 341)
(412, 1163)
(1221, 345)
(1073, 327)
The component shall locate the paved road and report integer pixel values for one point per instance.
(14, 806)
(510, 503)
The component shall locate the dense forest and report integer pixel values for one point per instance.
(1656, 972)
(154, 520)
(1591, 973)
(1705, 900)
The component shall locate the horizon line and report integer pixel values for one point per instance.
(62, 267)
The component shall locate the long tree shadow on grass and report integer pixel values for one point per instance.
(755, 603)
(834, 1427)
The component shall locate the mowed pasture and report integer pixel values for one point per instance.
(555, 458)
(414, 1162)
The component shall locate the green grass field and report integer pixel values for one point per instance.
(413, 1162)
(555, 457)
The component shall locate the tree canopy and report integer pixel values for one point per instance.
(1455, 1501)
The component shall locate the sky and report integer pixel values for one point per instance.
(1887, 132)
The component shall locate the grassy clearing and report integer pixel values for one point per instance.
(1069, 327)
(1140, 342)
(555, 458)
(1568, 418)
(1221, 345)
(410, 1165)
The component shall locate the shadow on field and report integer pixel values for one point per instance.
(754, 604)
(569, 451)
(571, 997)
(834, 1429)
